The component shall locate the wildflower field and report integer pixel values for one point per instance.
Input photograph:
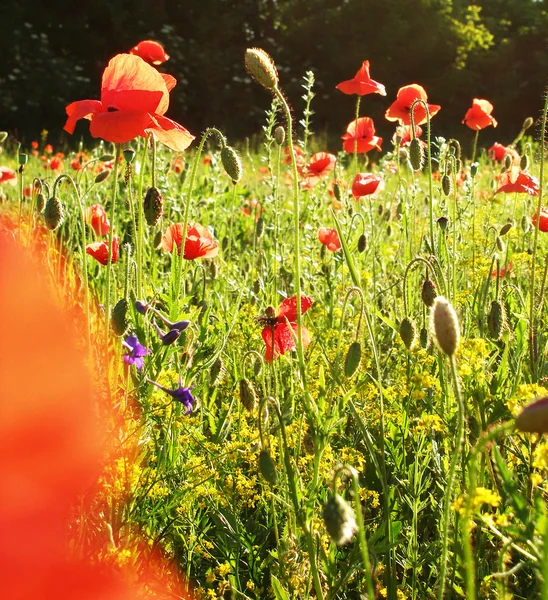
(317, 372)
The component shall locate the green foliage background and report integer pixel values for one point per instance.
(55, 51)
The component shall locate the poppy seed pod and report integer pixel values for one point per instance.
(261, 67)
(339, 519)
(267, 467)
(429, 292)
(534, 417)
(444, 325)
(248, 396)
(353, 359)
(129, 154)
(408, 332)
(231, 163)
(446, 185)
(496, 320)
(153, 206)
(416, 154)
(279, 135)
(118, 318)
(54, 213)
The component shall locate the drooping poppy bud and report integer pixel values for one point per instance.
(100, 177)
(428, 292)
(534, 417)
(416, 154)
(118, 318)
(353, 359)
(261, 67)
(267, 467)
(216, 371)
(231, 163)
(40, 202)
(444, 325)
(505, 228)
(408, 332)
(446, 185)
(339, 519)
(496, 320)
(54, 213)
(362, 243)
(279, 135)
(248, 396)
(153, 206)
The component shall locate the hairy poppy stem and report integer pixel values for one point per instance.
(58, 180)
(455, 457)
(110, 236)
(222, 140)
(532, 326)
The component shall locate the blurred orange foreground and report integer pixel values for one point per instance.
(50, 441)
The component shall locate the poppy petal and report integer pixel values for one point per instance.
(288, 308)
(170, 81)
(83, 109)
(129, 83)
(170, 133)
(120, 126)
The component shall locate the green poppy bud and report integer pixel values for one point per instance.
(267, 467)
(118, 319)
(261, 68)
(216, 371)
(524, 163)
(416, 154)
(534, 417)
(153, 206)
(248, 396)
(353, 359)
(428, 292)
(496, 320)
(446, 185)
(231, 163)
(444, 326)
(408, 332)
(279, 135)
(505, 228)
(102, 176)
(54, 213)
(362, 243)
(339, 519)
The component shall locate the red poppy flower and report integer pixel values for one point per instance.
(543, 221)
(498, 152)
(365, 184)
(150, 51)
(8, 175)
(96, 217)
(329, 238)
(400, 110)
(48, 149)
(515, 180)
(403, 132)
(298, 156)
(55, 164)
(252, 207)
(508, 270)
(134, 98)
(99, 250)
(360, 136)
(479, 116)
(320, 164)
(278, 329)
(199, 242)
(362, 83)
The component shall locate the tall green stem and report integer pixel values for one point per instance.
(532, 326)
(459, 439)
(110, 237)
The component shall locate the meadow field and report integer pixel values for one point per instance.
(321, 371)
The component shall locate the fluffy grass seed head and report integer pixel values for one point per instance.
(261, 67)
(444, 326)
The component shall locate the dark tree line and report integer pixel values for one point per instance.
(54, 52)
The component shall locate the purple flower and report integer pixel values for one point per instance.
(169, 337)
(181, 394)
(141, 307)
(136, 352)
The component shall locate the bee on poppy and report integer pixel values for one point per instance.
(279, 330)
